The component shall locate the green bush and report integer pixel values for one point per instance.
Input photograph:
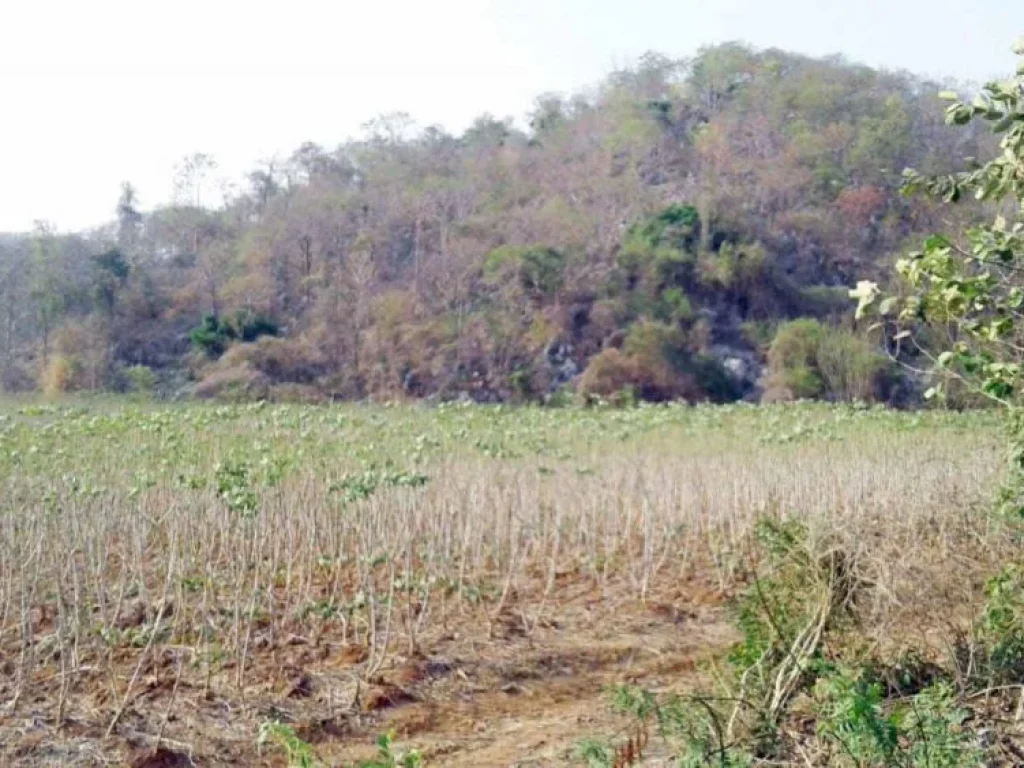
(141, 380)
(999, 645)
(860, 726)
(795, 620)
(214, 334)
(658, 251)
(538, 270)
(812, 360)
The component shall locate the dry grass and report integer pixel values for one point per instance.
(176, 576)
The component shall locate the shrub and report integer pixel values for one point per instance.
(62, 374)
(140, 380)
(813, 360)
(852, 369)
(280, 360)
(233, 383)
(214, 334)
(655, 364)
(677, 226)
(794, 658)
(297, 753)
(608, 373)
(80, 359)
(538, 270)
(675, 306)
(999, 644)
(657, 251)
(667, 369)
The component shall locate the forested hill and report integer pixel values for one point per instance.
(653, 235)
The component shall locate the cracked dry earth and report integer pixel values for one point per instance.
(486, 691)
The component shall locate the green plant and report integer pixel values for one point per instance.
(539, 271)
(850, 713)
(813, 360)
(1000, 634)
(595, 753)
(141, 380)
(966, 288)
(234, 483)
(693, 727)
(362, 485)
(214, 334)
(388, 757)
(934, 724)
(800, 596)
(862, 728)
(298, 753)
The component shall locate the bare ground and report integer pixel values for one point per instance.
(507, 690)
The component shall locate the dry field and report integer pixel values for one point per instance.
(174, 578)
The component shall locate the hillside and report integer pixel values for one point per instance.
(650, 235)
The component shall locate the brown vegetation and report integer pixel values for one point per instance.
(704, 194)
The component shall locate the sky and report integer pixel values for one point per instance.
(100, 92)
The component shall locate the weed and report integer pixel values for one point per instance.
(297, 752)
(388, 757)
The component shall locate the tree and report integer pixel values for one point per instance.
(129, 219)
(47, 291)
(110, 271)
(13, 300)
(190, 174)
(964, 306)
(720, 196)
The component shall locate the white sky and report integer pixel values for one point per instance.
(103, 91)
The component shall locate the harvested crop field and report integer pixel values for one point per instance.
(176, 581)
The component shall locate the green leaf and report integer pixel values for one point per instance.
(949, 95)
(887, 305)
(961, 115)
(1003, 125)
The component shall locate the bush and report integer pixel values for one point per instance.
(655, 364)
(62, 374)
(657, 252)
(79, 360)
(214, 334)
(233, 384)
(667, 369)
(999, 643)
(280, 360)
(608, 373)
(797, 691)
(140, 380)
(538, 270)
(811, 360)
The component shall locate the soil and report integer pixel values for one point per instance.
(518, 689)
